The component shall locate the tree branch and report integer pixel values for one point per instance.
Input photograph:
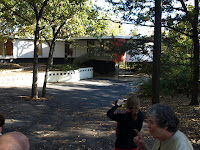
(172, 28)
(184, 6)
(42, 9)
(7, 7)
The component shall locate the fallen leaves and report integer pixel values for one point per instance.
(189, 116)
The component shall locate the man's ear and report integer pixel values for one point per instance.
(0, 129)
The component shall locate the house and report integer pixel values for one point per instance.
(22, 50)
(88, 51)
(94, 52)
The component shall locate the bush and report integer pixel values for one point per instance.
(140, 67)
(146, 88)
(67, 67)
(175, 82)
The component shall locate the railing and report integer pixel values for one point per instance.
(92, 56)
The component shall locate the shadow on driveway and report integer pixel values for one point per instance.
(73, 118)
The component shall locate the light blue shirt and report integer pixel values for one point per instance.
(176, 142)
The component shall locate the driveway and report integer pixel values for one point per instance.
(74, 116)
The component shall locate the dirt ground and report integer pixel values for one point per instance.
(80, 123)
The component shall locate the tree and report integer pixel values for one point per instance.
(142, 12)
(189, 17)
(38, 16)
(156, 54)
(195, 91)
(60, 23)
(26, 13)
(53, 20)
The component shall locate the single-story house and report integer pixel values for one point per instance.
(22, 50)
(82, 50)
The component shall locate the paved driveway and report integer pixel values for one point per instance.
(73, 118)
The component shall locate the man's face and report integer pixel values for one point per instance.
(154, 129)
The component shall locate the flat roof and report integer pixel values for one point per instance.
(104, 37)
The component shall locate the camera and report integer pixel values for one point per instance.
(124, 101)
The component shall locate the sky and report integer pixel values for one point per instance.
(128, 27)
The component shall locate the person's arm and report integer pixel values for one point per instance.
(140, 119)
(110, 112)
(139, 141)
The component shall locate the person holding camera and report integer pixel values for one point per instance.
(127, 122)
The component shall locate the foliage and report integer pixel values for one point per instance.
(67, 67)
(140, 67)
(177, 15)
(176, 73)
(176, 83)
(135, 46)
(145, 88)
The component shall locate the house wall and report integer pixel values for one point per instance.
(25, 49)
(79, 48)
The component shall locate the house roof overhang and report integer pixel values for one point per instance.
(104, 37)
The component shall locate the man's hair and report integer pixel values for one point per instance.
(2, 120)
(164, 117)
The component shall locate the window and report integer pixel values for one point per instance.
(6, 48)
(9, 47)
(90, 45)
(40, 49)
(2, 48)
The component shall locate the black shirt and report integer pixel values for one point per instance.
(125, 128)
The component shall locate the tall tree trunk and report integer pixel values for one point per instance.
(34, 93)
(195, 88)
(35, 63)
(49, 63)
(156, 54)
(50, 58)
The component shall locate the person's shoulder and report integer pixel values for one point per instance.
(141, 115)
(14, 140)
(140, 112)
(180, 135)
(182, 142)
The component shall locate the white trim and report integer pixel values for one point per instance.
(104, 37)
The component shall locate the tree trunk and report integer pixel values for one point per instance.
(35, 63)
(50, 58)
(156, 54)
(195, 88)
(49, 63)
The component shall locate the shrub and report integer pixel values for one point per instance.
(67, 67)
(176, 82)
(146, 88)
(140, 67)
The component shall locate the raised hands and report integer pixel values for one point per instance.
(120, 102)
(139, 140)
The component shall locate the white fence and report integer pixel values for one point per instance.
(53, 76)
(70, 76)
